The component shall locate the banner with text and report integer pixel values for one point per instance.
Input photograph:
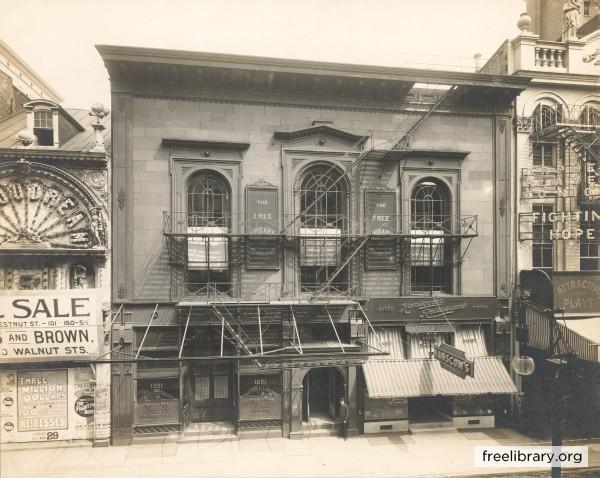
(49, 325)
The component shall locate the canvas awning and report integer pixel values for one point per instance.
(573, 338)
(422, 377)
(388, 340)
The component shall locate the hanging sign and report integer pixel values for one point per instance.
(558, 222)
(577, 292)
(454, 360)
(36, 326)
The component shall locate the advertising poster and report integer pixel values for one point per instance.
(46, 405)
(37, 326)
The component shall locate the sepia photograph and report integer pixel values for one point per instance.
(300, 238)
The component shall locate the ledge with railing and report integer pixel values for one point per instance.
(266, 292)
(582, 117)
(316, 225)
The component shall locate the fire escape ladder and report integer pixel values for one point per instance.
(237, 335)
(404, 141)
(579, 144)
(341, 267)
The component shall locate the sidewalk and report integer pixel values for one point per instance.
(422, 455)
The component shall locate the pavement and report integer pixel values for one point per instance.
(431, 455)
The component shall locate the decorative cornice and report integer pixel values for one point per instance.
(262, 184)
(523, 124)
(320, 130)
(52, 154)
(428, 153)
(204, 143)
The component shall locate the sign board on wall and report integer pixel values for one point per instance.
(46, 405)
(261, 210)
(577, 292)
(262, 213)
(380, 212)
(412, 309)
(47, 325)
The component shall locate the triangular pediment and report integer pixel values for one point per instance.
(321, 137)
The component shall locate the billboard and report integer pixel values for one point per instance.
(46, 405)
(42, 325)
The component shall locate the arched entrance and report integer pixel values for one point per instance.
(322, 389)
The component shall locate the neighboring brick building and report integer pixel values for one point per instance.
(280, 223)
(54, 263)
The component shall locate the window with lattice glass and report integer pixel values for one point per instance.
(43, 127)
(589, 248)
(543, 246)
(430, 250)
(221, 386)
(201, 388)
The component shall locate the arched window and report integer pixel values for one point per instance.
(590, 115)
(209, 222)
(545, 116)
(322, 199)
(431, 252)
(323, 219)
(209, 200)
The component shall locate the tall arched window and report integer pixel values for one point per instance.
(208, 221)
(431, 252)
(323, 218)
(545, 116)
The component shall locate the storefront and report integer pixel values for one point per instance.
(285, 373)
(47, 390)
(411, 387)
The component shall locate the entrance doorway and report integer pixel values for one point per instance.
(322, 390)
(430, 409)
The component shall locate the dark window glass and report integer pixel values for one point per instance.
(589, 248)
(542, 247)
(323, 220)
(431, 251)
(42, 127)
(208, 214)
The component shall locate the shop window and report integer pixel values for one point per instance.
(212, 383)
(431, 251)
(324, 218)
(43, 127)
(209, 217)
(589, 248)
(153, 390)
(542, 247)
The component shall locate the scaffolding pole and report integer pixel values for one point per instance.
(334, 329)
(154, 314)
(187, 323)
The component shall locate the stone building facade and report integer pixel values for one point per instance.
(261, 206)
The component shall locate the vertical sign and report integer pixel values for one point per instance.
(262, 215)
(380, 219)
(380, 212)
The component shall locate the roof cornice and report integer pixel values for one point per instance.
(126, 54)
(52, 155)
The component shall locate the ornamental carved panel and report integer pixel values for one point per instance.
(43, 208)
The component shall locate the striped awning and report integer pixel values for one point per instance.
(541, 330)
(470, 339)
(388, 340)
(415, 378)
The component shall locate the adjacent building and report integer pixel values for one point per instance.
(288, 233)
(557, 200)
(54, 262)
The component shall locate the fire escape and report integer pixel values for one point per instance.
(234, 309)
(571, 174)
